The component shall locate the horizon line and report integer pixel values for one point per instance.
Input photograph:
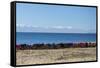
(57, 32)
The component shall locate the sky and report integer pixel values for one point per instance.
(55, 18)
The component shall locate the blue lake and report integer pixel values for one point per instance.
(32, 37)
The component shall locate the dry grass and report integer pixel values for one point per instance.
(25, 57)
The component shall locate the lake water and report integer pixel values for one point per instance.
(32, 37)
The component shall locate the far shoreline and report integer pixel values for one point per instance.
(57, 32)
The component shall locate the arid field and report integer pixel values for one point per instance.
(45, 56)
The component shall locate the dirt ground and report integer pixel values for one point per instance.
(45, 56)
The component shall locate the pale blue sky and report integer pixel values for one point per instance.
(55, 18)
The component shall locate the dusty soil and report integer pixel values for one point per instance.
(26, 57)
